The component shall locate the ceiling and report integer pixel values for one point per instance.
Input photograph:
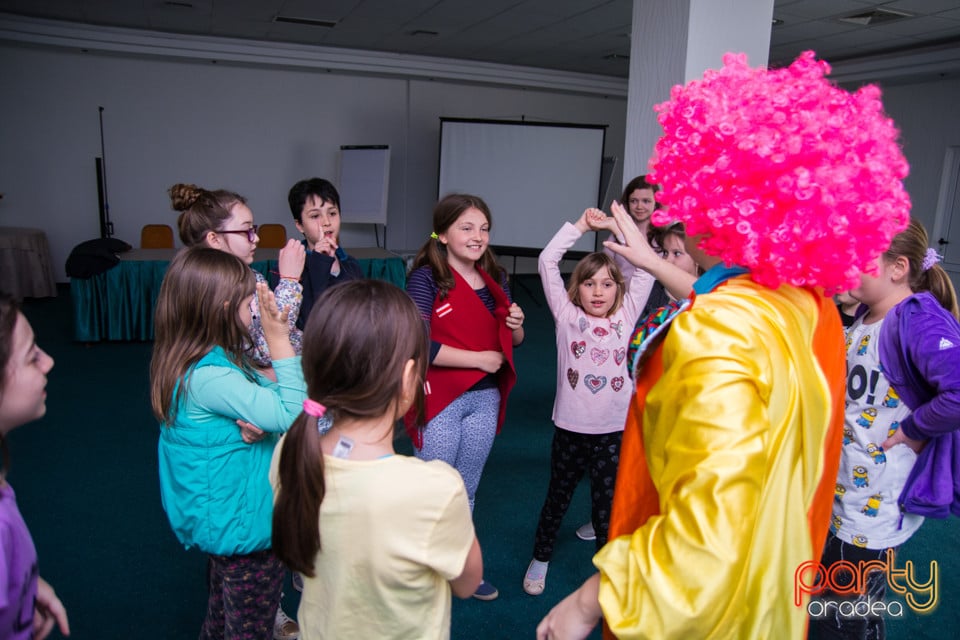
(587, 36)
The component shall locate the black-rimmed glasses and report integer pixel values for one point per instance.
(251, 233)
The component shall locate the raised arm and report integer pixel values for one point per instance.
(638, 252)
(548, 264)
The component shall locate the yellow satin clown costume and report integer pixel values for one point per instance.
(727, 468)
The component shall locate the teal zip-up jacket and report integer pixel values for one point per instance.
(214, 486)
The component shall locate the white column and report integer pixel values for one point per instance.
(673, 41)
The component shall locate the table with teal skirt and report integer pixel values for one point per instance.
(118, 304)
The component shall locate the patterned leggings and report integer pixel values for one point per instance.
(462, 435)
(572, 455)
(244, 593)
(834, 624)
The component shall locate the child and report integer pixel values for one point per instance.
(395, 533)
(592, 314)
(732, 439)
(847, 307)
(903, 396)
(214, 486)
(28, 606)
(463, 297)
(315, 205)
(222, 220)
(671, 242)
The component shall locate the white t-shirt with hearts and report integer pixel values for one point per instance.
(593, 388)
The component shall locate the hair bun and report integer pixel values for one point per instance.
(184, 196)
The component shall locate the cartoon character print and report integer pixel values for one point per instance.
(876, 452)
(864, 343)
(847, 436)
(893, 428)
(867, 416)
(860, 477)
(860, 540)
(839, 492)
(872, 506)
(849, 341)
(836, 522)
(891, 399)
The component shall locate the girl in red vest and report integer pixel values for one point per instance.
(463, 297)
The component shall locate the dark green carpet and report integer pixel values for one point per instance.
(86, 481)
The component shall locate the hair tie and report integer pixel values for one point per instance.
(434, 235)
(313, 408)
(930, 258)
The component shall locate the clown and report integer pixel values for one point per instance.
(788, 187)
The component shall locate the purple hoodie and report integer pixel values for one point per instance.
(920, 354)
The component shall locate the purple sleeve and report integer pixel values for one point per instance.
(934, 354)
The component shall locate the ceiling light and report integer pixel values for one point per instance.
(876, 16)
(310, 22)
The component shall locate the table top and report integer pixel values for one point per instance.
(166, 255)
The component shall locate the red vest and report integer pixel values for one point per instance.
(463, 321)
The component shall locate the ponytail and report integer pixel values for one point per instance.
(300, 491)
(432, 254)
(938, 283)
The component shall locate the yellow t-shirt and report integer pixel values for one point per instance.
(393, 531)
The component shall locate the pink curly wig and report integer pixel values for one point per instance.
(782, 172)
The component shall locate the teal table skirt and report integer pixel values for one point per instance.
(118, 304)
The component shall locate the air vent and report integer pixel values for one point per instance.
(424, 32)
(875, 17)
(310, 22)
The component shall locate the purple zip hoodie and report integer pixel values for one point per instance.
(919, 351)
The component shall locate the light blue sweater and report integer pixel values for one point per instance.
(214, 486)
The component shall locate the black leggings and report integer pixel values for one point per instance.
(572, 455)
(833, 622)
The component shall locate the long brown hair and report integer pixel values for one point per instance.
(197, 309)
(9, 311)
(912, 243)
(356, 344)
(434, 254)
(201, 211)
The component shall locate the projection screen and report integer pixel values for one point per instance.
(533, 176)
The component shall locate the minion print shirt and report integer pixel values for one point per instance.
(866, 512)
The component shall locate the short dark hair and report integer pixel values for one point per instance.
(317, 187)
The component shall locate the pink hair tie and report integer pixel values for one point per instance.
(313, 408)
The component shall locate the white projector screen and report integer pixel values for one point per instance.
(534, 177)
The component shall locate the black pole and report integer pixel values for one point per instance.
(106, 226)
(103, 213)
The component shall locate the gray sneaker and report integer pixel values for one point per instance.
(586, 532)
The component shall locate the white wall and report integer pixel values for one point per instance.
(925, 112)
(252, 129)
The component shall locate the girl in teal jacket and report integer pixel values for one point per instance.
(214, 485)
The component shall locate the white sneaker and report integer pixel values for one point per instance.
(586, 532)
(284, 627)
